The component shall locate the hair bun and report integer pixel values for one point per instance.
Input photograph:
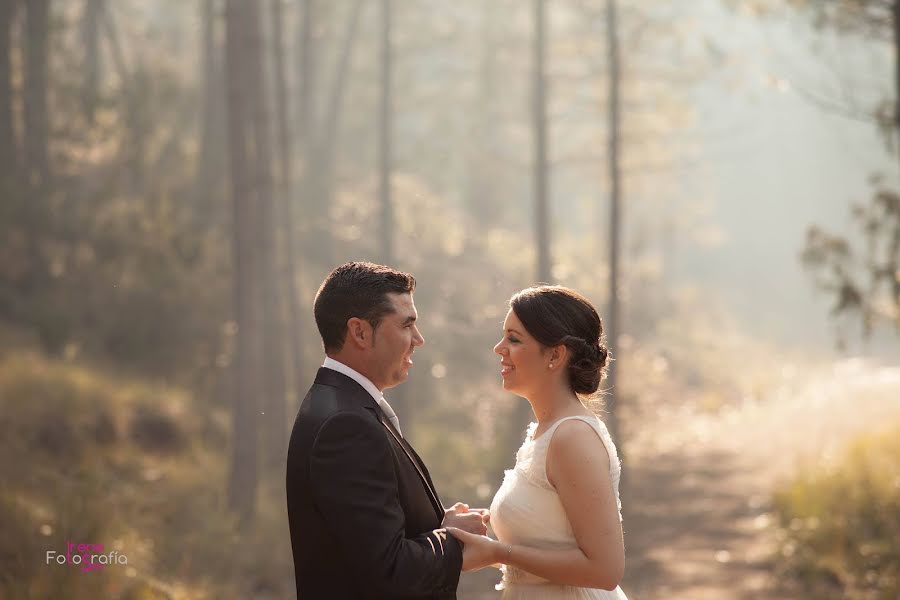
(587, 365)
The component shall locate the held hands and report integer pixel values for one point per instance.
(471, 520)
(479, 551)
(469, 526)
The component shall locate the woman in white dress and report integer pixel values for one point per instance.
(557, 516)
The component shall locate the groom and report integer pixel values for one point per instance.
(365, 518)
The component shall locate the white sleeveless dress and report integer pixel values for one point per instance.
(527, 510)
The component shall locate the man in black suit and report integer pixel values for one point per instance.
(365, 518)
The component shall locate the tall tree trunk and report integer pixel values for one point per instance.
(305, 98)
(311, 222)
(320, 172)
(8, 155)
(134, 80)
(539, 116)
(892, 265)
(138, 125)
(114, 48)
(267, 232)
(539, 167)
(205, 182)
(400, 395)
(895, 22)
(286, 197)
(243, 476)
(90, 39)
(668, 248)
(481, 180)
(36, 134)
(615, 216)
(384, 139)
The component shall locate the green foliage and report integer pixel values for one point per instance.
(113, 256)
(839, 526)
(864, 283)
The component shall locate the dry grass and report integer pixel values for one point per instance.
(92, 458)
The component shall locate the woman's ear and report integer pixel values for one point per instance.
(558, 355)
(359, 332)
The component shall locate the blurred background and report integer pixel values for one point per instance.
(719, 176)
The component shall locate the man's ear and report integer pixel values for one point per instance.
(359, 332)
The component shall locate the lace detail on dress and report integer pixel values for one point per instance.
(527, 510)
(531, 458)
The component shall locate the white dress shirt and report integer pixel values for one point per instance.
(362, 380)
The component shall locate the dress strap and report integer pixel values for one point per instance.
(532, 457)
(548, 435)
(615, 465)
(599, 427)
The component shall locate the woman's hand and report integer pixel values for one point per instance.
(472, 520)
(479, 551)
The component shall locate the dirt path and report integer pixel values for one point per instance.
(697, 513)
(697, 520)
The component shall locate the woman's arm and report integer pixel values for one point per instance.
(578, 467)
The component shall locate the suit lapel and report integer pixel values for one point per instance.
(410, 454)
(326, 376)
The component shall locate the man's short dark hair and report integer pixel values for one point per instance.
(356, 289)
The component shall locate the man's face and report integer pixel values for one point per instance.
(394, 342)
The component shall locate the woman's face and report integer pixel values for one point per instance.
(523, 364)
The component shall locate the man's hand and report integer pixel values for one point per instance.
(462, 517)
(479, 551)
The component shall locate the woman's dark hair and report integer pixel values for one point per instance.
(555, 315)
(356, 289)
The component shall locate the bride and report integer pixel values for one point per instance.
(557, 515)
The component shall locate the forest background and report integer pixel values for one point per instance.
(718, 176)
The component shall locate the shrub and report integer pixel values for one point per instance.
(839, 525)
(154, 430)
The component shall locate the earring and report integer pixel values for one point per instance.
(550, 366)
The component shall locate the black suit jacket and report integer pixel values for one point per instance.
(364, 515)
